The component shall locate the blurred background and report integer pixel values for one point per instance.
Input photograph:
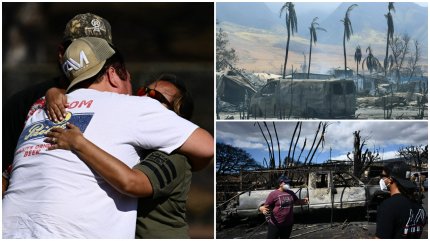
(154, 38)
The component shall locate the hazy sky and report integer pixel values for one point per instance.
(387, 136)
(320, 6)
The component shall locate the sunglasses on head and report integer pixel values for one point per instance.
(154, 94)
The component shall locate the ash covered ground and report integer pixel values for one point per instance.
(363, 113)
(345, 224)
(367, 108)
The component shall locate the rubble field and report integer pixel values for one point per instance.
(322, 224)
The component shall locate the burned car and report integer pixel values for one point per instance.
(325, 189)
(308, 98)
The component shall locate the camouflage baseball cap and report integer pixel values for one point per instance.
(88, 25)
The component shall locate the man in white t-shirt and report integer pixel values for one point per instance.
(53, 194)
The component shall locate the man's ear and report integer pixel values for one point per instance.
(113, 77)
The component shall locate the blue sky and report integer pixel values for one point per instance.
(387, 136)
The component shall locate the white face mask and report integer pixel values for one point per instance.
(286, 187)
(383, 185)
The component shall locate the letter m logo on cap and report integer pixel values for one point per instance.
(71, 64)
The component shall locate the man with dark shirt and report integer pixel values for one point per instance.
(400, 216)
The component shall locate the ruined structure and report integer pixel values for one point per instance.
(234, 88)
(310, 98)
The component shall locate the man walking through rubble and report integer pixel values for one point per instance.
(279, 206)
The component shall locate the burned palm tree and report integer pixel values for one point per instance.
(390, 32)
(288, 160)
(271, 154)
(372, 63)
(313, 32)
(357, 56)
(291, 23)
(312, 151)
(347, 30)
(279, 147)
(362, 159)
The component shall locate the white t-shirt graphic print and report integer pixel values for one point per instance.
(54, 194)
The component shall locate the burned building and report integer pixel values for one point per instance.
(234, 88)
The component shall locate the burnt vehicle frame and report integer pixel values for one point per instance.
(325, 189)
(306, 98)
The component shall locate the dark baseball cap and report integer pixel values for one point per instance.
(398, 171)
(284, 179)
(88, 25)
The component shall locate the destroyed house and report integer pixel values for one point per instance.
(234, 88)
(311, 76)
(340, 72)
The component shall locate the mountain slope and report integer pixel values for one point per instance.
(408, 18)
(260, 44)
(367, 17)
(254, 15)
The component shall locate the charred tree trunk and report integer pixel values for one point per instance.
(313, 143)
(344, 52)
(310, 55)
(357, 154)
(279, 148)
(272, 158)
(271, 161)
(297, 139)
(304, 145)
(291, 144)
(286, 52)
(321, 140)
(361, 160)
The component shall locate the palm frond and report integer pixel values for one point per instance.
(313, 30)
(357, 55)
(350, 9)
(285, 6)
(292, 18)
(348, 28)
(369, 49)
(391, 59)
(314, 20)
(372, 63)
(391, 7)
(314, 33)
(390, 24)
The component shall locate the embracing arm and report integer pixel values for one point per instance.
(199, 148)
(56, 104)
(4, 183)
(5, 179)
(131, 182)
